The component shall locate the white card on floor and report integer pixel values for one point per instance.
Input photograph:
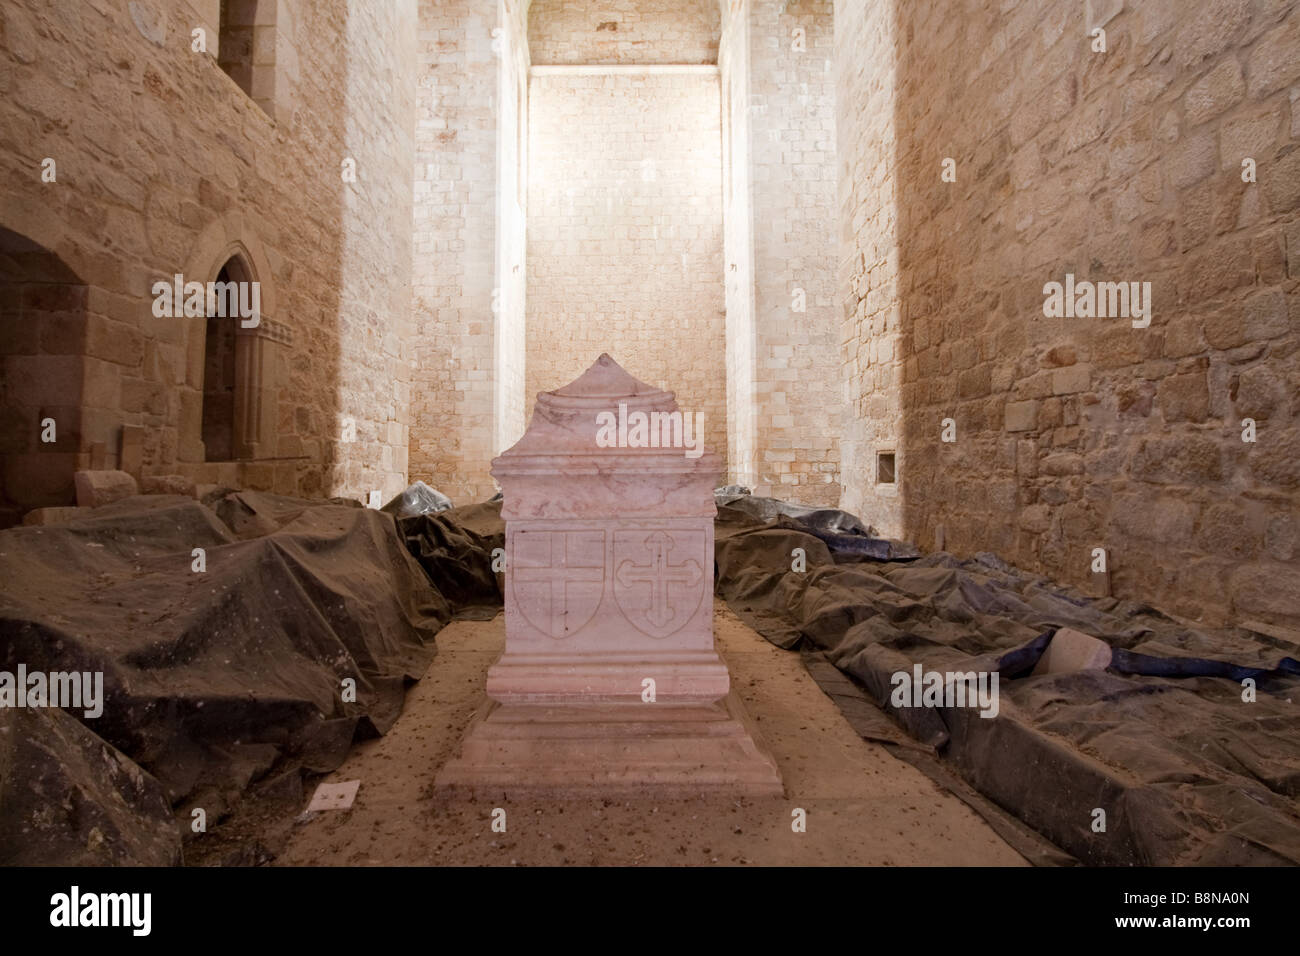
(334, 796)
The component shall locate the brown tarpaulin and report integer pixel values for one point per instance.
(214, 679)
(1185, 770)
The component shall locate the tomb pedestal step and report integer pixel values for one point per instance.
(581, 750)
(681, 677)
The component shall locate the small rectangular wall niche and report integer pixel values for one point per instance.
(886, 468)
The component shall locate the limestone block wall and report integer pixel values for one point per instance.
(1123, 166)
(623, 31)
(625, 233)
(738, 242)
(469, 279)
(374, 316)
(159, 153)
(867, 261)
(788, 125)
(513, 404)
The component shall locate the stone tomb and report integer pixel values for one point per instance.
(609, 679)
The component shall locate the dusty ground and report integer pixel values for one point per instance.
(863, 806)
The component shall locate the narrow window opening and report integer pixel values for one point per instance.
(235, 46)
(246, 48)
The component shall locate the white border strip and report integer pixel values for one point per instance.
(599, 69)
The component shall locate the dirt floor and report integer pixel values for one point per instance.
(863, 806)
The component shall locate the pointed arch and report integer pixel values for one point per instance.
(228, 249)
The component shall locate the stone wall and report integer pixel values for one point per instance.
(778, 64)
(623, 31)
(162, 161)
(738, 243)
(867, 272)
(469, 250)
(513, 403)
(1073, 434)
(625, 234)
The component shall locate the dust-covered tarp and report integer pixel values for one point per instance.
(843, 533)
(1187, 769)
(457, 548)
(229, 638)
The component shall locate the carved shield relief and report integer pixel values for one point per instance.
(660, 577)
(557, 578)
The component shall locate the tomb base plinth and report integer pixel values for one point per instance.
(577, 750)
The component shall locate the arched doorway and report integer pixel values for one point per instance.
(235, 367)
(230, 399)
(42, 367)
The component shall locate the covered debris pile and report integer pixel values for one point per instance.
(230, 639)
(1189, 765)
(456, 549)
